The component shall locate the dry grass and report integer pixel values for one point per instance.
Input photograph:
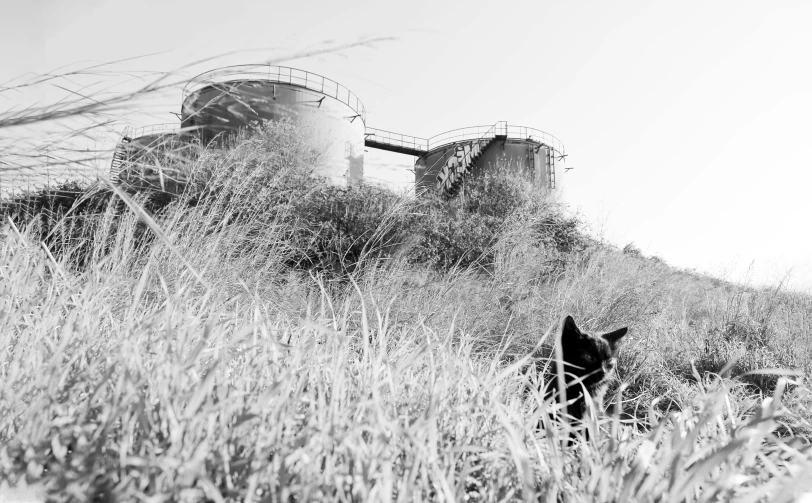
(198, 366)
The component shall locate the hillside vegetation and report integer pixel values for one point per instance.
(259, 335)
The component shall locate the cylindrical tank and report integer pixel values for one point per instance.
(454, 155)
(144, 157)
(220, 102)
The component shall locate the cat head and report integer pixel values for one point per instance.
(588, 356)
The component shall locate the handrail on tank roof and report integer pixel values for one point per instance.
(509, 130)
(468, 133)
(153, 129)
(280, 74)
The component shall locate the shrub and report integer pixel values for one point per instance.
(62, 216)
(633, 250)
(466, 230)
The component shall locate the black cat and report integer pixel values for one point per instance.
(588, 361)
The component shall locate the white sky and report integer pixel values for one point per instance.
(688, 123)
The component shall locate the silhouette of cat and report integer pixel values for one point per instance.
(588, 362)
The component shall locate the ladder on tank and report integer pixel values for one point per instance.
(551, 167)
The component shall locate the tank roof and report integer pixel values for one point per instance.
(277, 74)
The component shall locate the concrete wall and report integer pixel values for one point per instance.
(222, 109)
(525, 158)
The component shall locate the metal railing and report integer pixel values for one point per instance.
(153, 130)
(467, 133)
(397, 139)
(501, 128)
(537, 135)
(280, 74)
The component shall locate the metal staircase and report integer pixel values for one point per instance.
(120, 155)
(458, 166)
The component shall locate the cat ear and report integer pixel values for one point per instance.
(569, 329)
(613, 337)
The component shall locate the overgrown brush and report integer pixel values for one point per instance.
(267, 176)
(276, 339)
(177, 396)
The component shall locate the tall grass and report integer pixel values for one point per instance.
(237, 348)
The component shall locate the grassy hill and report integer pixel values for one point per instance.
(260, 335)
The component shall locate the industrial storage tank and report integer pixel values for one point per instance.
(220, 102)
(444, 161)
(144, 157)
